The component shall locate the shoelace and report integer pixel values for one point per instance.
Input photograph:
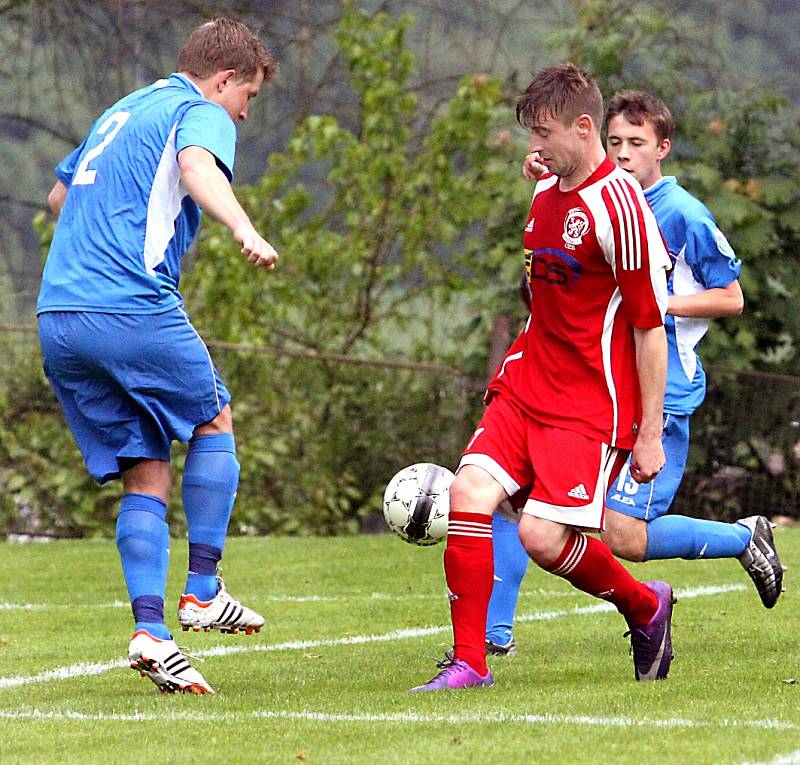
(187, 655)
(448, 662)
(639, 631)
(446, 668)
(630, 648)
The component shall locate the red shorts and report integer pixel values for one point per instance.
(564, 474)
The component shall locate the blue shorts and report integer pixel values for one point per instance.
(650, 500)
(129, 385)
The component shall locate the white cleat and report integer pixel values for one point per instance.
(163, 662)
(223, 613)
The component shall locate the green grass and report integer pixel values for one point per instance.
(567, 697)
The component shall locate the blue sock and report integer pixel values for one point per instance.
(143, 544)
(210, 480)
(677, 536)
(510, 565)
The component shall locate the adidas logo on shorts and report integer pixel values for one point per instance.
(578, 492)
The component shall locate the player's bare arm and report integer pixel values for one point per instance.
(57, 197)
(709, 304)
(209, 187)
(648, 458)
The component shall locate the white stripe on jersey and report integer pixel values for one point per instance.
(512, 357)
(621, 221)
(544, 183)
(605, 344)
(637, 241)
(688, 331)
(163, 206)
(620, 195)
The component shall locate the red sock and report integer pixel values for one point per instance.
(469, 569)
(588, 564)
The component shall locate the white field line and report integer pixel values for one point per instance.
(698, 592)
(404, 718)
(85, 670)
(792, 758)
(382, 596)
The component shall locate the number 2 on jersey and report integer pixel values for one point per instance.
(109, 129)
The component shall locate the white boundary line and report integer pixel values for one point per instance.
(86, 670)
(404, 718)
(792, 758)
(382, 596)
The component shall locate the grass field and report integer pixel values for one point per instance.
(352, 624)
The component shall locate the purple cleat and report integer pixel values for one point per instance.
(651, 644)
(455, 674)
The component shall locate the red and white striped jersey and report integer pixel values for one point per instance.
(597, 266)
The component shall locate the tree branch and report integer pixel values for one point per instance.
(8, 199)
(67, 137)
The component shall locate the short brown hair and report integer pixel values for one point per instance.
(636, 106)
(565, 92)
(225, 44)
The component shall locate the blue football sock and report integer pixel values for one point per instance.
(143, 544)
(677, 536)
(510, 565)
(210, 480)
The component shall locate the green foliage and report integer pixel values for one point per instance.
(374, 225)
(746, 170)
(627, 44)
(45, 489)
(399, 236)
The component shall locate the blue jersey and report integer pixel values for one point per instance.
(702, 260)
(127, 220)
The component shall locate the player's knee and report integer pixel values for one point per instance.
(542, 540)
(222, 423)
(147, 476)
(626, 543)
(475, 490)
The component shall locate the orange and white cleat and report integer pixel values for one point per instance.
(223, 613)
(163, 662)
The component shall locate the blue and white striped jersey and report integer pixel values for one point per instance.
(127, 220)
(702, 259)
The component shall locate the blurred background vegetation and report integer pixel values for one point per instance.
(384, 165)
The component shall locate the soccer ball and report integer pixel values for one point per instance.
(416, 503)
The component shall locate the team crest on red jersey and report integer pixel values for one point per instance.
(576, 226)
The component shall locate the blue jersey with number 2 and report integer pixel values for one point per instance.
(127, 220)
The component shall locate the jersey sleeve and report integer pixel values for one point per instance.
(637, 254)
(65, 170)
(205, 124)
(709, 255)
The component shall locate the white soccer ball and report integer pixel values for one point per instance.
(416, 503)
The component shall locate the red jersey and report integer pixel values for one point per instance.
(597, 266)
